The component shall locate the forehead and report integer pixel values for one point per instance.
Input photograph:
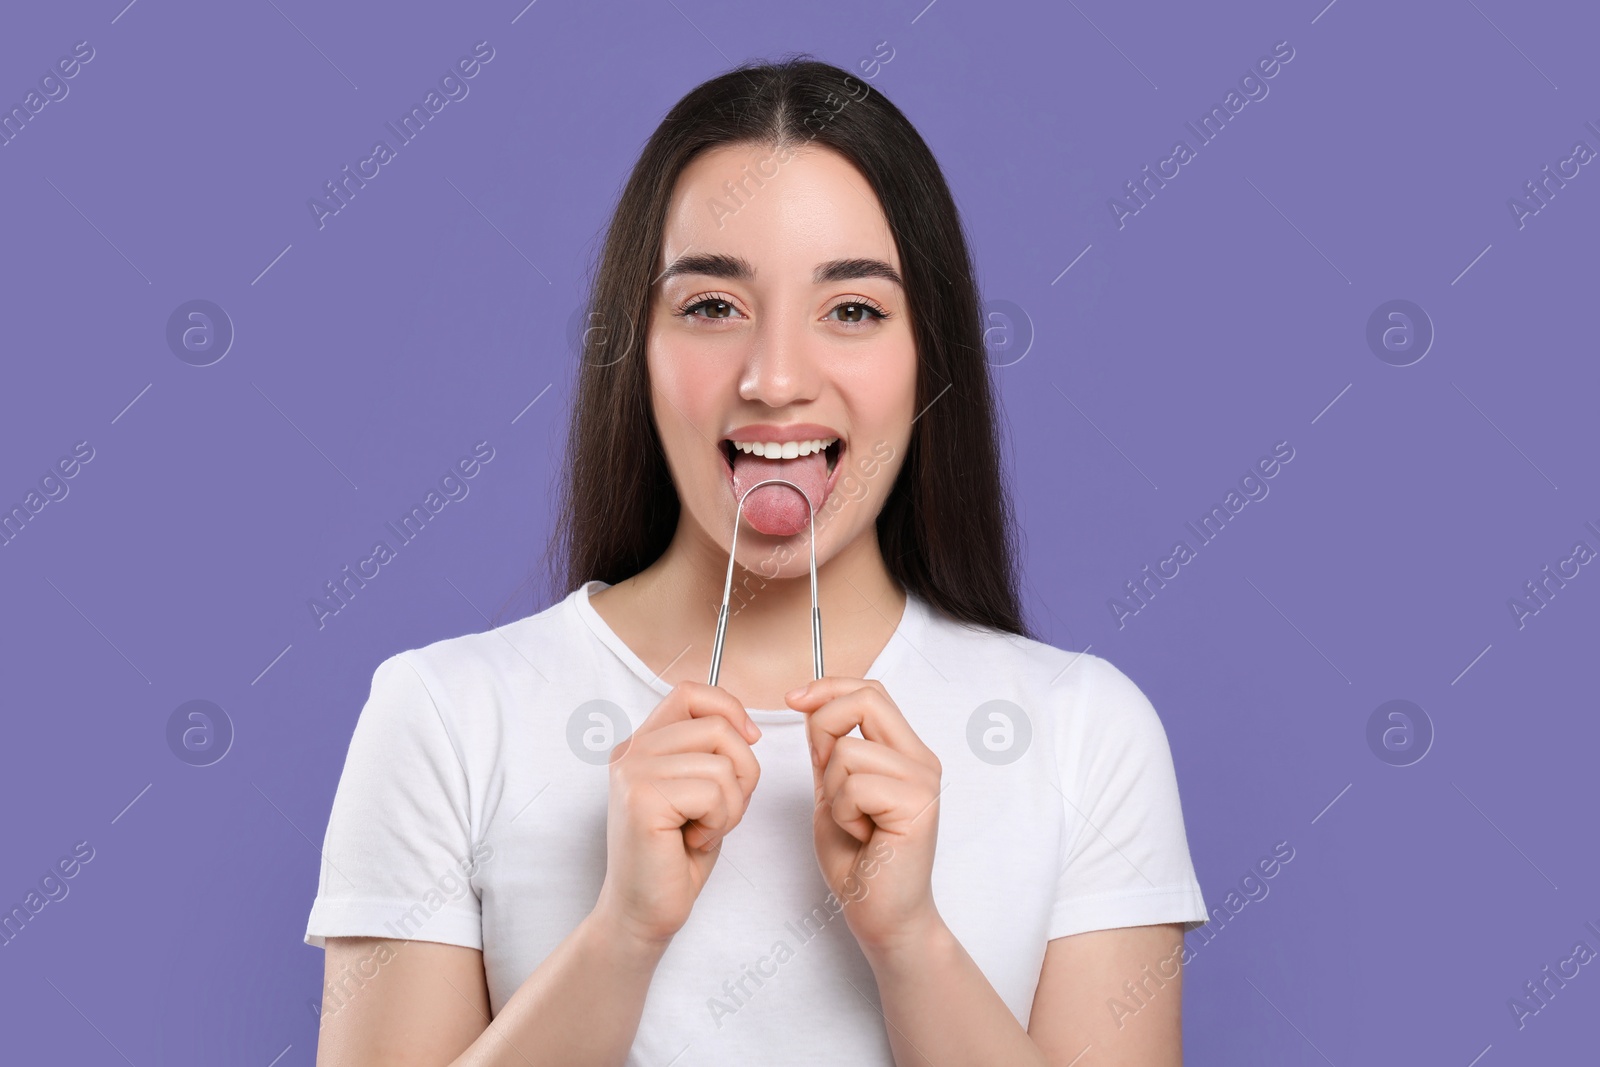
(781, 218)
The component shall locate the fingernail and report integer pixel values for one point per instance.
(797, 692)
(755, 731)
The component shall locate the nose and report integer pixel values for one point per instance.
(782, 366)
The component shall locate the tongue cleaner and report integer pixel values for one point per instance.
(773, 509)
(769, 485)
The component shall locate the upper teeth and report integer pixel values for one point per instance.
(786, 449)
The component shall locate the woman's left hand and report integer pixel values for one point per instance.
(877, 810)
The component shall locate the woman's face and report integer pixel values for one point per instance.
(776, 316)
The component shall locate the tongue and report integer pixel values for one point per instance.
(777, 509)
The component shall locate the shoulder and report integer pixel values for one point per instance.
(1035, 666)
(507, 657)
(1083, 697)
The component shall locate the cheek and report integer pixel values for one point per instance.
(696, 380)
(684, 398)
(888, 370)
(882, 396)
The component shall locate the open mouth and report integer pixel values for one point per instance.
(812, 466)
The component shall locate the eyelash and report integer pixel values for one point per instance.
(697, 303)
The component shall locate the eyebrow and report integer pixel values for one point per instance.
(737, 268)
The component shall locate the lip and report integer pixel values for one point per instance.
(795, 431)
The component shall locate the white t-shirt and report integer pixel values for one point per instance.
(472, 811)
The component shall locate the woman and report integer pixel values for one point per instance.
(558, 826)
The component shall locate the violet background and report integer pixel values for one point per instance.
(1228, 315)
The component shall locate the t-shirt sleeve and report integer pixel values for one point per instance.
(1127, 858)
(398, 859)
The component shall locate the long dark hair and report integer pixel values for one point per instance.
(946, 530)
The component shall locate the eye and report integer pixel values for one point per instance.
(858, 312)
(723, 308)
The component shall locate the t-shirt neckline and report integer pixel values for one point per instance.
(906, 632)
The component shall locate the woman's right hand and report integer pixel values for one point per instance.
(677, 786)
